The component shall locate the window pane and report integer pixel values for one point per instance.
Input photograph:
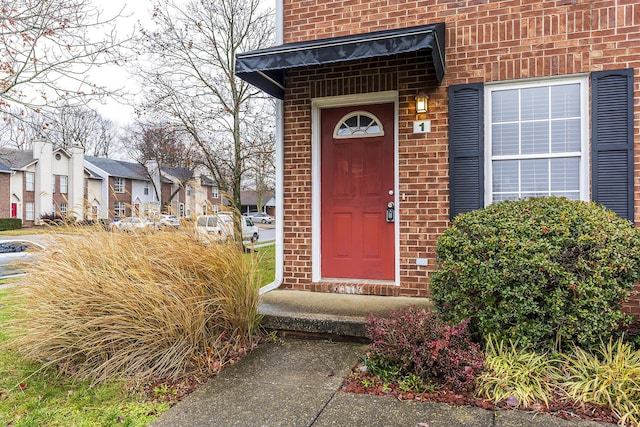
(351, 122)
(565, 136)
(533, 195)
(505, 196)
(534, 176)
(505, 176)
(565, 176)
(373, 129)
(535, 137)
(534, 103)
(504, 106)
(565, 101)
(365, 121)
(573, 195)
(505, 139)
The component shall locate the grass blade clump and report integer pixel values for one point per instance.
(610, 376)
(101, 305)
(515, 375)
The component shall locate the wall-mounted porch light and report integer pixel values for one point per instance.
(421, 103)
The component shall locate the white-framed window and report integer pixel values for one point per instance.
(63, 209)
(119, 185)
(215, 209)
(64, 184)
(119, 209)
(214, 193)
(29, 211)
(146, 189)
(188, 190)
(30, 179)
(536, 137)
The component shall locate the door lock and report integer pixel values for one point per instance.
(391, 212)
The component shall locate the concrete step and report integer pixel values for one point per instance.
(338, 316)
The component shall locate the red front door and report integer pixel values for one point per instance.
(357, 186)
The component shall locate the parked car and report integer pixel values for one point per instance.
(134, 224)
(208, 229)
(249, 229)
(14, 253)
(166, 221)
(260, 217)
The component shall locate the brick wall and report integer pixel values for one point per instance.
(5, 195)
(120, 197)
(486, 42)
(58, 197)
(29, 197)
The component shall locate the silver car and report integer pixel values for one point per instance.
(13, 253)
(165, 221)
(260, 217)
(134, 224)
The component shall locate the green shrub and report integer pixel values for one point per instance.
(101, 305)
(412, 342)
(544, 271)
(10, 224)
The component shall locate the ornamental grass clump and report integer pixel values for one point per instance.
(609, 376)
(411, 343)
(100, 305)
(548, 272)
(516, 376)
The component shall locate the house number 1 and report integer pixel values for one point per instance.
(422, 126)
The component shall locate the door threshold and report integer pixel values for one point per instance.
(358, 281)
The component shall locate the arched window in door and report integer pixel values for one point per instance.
(358, 124)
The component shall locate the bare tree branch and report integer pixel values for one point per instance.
(48, 47)
(191, 81)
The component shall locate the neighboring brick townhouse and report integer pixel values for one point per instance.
(420, 110)
(42, 182)
(48, 180)
(133, 189)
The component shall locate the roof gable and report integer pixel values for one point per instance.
(119, 168)
(16, 159)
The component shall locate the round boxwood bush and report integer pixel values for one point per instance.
(545, 271)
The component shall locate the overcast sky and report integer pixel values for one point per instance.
(117, 77)
(114, 76)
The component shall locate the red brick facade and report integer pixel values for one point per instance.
(486, 41)
(29, 197)
(60, 198)
(124, 197)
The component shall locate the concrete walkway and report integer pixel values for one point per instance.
(297, 383)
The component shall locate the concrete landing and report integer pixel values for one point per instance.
(298, 383)
(325, 314)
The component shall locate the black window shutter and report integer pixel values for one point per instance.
(612, 140)
(466, 148)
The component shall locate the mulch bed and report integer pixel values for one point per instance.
(558, 407)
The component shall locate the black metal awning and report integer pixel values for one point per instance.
(265, 68)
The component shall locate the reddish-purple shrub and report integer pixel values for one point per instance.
(419, 342)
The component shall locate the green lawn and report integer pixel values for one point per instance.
(30, 396)
(267, 263)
